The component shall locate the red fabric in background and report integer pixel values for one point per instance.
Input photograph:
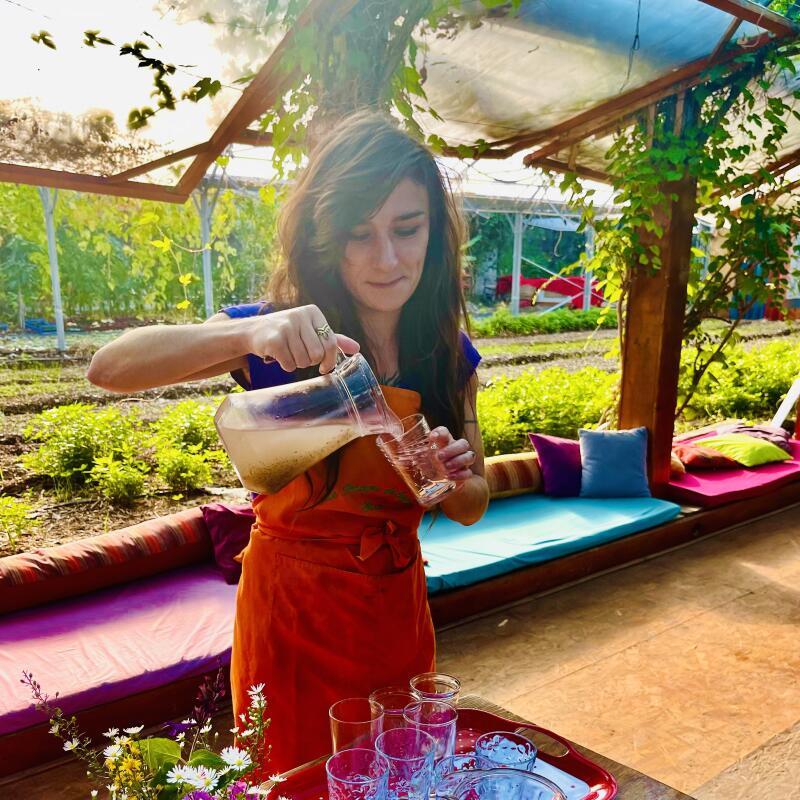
(565, 286)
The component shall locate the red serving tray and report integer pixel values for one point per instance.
(310, 783)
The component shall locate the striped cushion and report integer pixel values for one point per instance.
(514, 473)
(148, 548)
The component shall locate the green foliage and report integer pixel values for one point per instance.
(503, 323)
(747, 383)
(119, 481)
(552, 401)
(73, 437)
(187, 424)
(183, 470)
(16, 519)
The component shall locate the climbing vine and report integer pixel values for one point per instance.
(718, 136)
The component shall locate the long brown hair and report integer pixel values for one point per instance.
(348, 178)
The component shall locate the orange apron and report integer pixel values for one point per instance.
(332, 601)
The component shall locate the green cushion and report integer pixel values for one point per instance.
(746, 450)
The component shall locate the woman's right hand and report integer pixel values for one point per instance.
(297, 338)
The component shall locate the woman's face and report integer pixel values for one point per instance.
(385, 254)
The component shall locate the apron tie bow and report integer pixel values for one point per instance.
(392, 535)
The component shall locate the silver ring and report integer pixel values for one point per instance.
(324, 332)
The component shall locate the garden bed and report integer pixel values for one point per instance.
(551, 382)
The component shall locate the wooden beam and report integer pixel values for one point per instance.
(596, 119)
(262, 91)
(724, 41)
(656, 306)
(757, 15)
(255, 138)
(164, 161)
(56, 179)
(580, 171)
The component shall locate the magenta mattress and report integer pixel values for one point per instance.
(716, 487)
(112, 644)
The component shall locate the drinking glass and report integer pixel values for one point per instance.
(439, 720)
(409, 753)
(503, 784)
(416, 460)
(505, 749)
(394, 700)
(355, 722)
(436, 686)
(450, 772)
(357, 774)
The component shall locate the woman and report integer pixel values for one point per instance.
(332, 602)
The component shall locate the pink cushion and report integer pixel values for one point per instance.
(715, 488)
(229, 527)
(112, 644)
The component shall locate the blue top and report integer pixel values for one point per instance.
(271, 374)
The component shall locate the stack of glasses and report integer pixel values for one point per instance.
(400, 744)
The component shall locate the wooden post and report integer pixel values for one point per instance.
(653, 331)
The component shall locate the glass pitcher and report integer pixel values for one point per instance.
(273, 435)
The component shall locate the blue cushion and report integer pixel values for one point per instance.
(528, 529)
(614, 463)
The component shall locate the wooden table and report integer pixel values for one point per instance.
(632, 785)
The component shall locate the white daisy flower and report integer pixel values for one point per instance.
(180, 774)
(72, 744)
(54, 729)
(235, 758)
(277, 778)
(256, 689)
(111, 733)
(113, 751)
(234, 731)
(93, 793)
(134, 730)
(261, 792)
(189, 721)
(206, 728)
(204, 778)
(243, 718)
(122, 739)
(245, 733)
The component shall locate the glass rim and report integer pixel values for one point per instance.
(362, 751)
(365, 700)
(517, 738)
(441, 677)
(418, 732)
(420, 422)
(391, 690)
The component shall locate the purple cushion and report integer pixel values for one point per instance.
(560, 461)
(112, 644)
(229, 528)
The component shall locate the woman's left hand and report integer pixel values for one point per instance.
(456, 455)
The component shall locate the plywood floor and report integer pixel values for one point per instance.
(685, 666)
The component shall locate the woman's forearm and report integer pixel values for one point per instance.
(165, 354)
(469, 503)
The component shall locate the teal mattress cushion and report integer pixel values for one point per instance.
(528, 529)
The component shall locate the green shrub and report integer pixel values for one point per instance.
(748, 384)
(74, 436)
(552, 401)
(121, 482)
(183, 470)
(503, 323)
(187, 424)
(16, 519)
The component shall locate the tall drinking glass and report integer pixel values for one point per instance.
(436, 686)
(505, 749)
(357, 774)
(355, 722)
(437, 719)
(394, 700)
(409, 753)
(416, 460)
